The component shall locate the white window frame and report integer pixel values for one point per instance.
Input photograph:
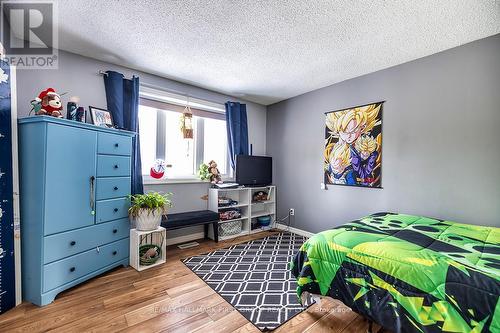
(159, 95)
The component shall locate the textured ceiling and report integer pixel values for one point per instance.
(267, 51)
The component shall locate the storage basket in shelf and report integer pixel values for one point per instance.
(264, 221)
(230, 228)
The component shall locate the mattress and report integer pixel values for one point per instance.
(407, 273)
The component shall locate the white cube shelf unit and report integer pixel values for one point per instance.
(249, 210)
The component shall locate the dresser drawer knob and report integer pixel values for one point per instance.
(114, 253)
(116, 166)
(115, 210)
(115, 231)
(72, 269)
(116, 145)
(115, 188)
(72, 243)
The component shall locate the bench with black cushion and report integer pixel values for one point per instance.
(189, 219)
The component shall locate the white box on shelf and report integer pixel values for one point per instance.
(156, 237)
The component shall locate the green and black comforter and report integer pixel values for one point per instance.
(408, 273)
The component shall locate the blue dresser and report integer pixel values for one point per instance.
(74, 183)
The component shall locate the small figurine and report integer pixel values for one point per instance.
(49, 103)
(35, 106)
(158, 169)
(215, 177)
(151, 253)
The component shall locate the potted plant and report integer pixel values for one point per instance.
(147, 209)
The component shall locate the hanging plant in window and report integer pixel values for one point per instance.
(187, 122)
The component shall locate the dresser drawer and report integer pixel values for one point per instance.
(113, 209)
(72, 242)
(112, 187)
(63, 271)
(113, 144)
(113, 166)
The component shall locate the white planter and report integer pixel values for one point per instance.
(148, 220)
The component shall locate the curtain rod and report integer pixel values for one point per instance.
(173, 91)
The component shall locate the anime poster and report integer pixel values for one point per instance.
(353, 146)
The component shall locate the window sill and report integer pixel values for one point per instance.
(152, 181)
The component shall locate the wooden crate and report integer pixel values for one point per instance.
(138, 238)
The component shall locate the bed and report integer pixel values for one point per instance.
(407, 273)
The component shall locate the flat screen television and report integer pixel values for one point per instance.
(254, 170)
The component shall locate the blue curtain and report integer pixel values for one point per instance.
(122, 96)
(237, 130)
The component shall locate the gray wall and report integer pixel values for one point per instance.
(441, 155)
(78, 76)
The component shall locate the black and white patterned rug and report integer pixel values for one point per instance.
(254, 277)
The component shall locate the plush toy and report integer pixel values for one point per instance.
(49, 103)
(158, 169)
(215, 177)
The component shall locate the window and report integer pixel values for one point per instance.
(161, 136)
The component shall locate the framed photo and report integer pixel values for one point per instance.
(101, 117)
(353, 146)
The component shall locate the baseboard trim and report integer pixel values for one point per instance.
(201, 235)
(185, 238)
(294, 230)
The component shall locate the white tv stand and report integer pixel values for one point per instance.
(249, 210)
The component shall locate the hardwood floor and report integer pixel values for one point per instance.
(166, 298)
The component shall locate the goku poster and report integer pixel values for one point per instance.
(353, 146)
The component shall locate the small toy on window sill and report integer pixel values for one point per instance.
(158, 169)
(215, 177)
(203, 172)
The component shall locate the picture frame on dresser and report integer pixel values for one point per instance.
(101, 117)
